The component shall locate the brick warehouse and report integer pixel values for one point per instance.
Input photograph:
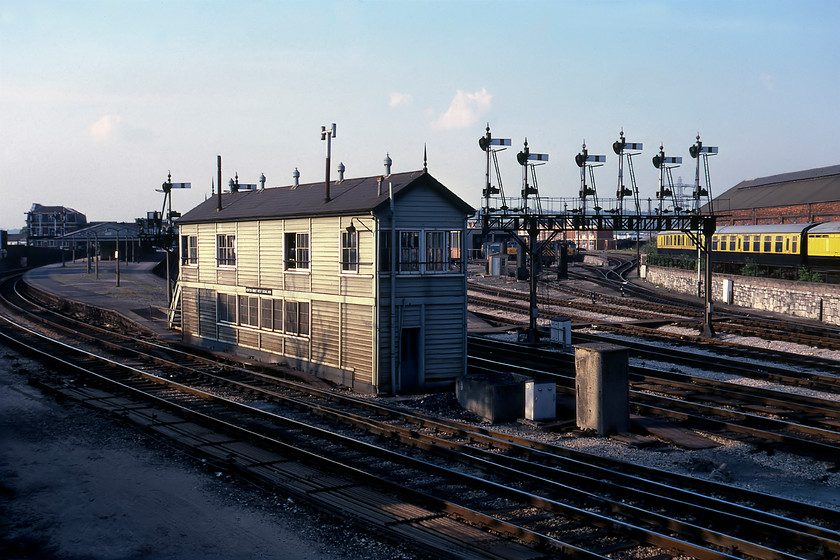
(812, 195)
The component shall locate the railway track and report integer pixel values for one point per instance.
(800, 424)
(503, 485)
(730, 321)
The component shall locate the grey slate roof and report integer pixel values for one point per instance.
(351, 196)
(800, 187)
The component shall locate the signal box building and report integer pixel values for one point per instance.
(359, 281)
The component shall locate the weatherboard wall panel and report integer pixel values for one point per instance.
(189, 310)
(247, 253)
(325, 328)
(207, 313)
(248, 337)
(207, 253)
(271, 254)
(325, 250)
(357, 341)
(444, 342)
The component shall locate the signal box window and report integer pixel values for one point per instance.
(226, 306)
(226, 250)
(349, 251)
(409, 251)
(455, 251)
(297, 318)
(249, 311)
(189, 250)
(297, 251)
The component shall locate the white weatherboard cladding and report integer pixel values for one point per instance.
(271, 254)
(207, 313)
(422, 208)
(357, 341)
(189, 310)
(207, 253)
(324, 252)
(444, 341)
(247, 253)
(325, 327)
(248, 337)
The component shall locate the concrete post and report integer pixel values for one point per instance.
(602, 388)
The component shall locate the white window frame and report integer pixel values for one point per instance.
(249, 311)
(292, 264)
(228, 306)
(349, 252)
(413, 264)
(189, 250)
(292, 312)
(229, 248)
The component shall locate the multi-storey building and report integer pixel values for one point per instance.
(45, 225)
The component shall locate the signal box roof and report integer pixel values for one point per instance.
(350, 196)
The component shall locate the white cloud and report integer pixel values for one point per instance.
(106, 127)
(398, 99)
(768, 82)
(465, 110)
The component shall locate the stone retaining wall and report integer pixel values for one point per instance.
(800, 299)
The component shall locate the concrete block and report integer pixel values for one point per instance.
(493, 397)
(602, 388)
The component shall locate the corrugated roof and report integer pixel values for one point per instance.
(351, 196)
(799, 187)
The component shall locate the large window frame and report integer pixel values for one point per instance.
(189, 250)
(226, 308)
(349, 252)
(441, 248)
(225, 250)
(296, 321)
(409, 251)
(296, 246)
(456, 262)
(249, 311)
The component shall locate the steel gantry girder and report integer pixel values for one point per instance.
(534, 223)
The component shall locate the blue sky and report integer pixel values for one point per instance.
(99, 100)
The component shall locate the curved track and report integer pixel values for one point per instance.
(465, 490)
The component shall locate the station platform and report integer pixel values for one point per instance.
(140, 297)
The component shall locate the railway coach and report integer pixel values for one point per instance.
(775, 245)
